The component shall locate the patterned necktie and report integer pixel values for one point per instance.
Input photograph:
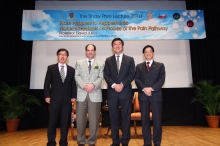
(89, 66)
(118, 63)
(62, 73)
(148, 66)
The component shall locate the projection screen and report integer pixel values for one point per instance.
(175, 54)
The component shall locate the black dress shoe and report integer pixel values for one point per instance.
(124, 144)
(81, 145)
(92, 145)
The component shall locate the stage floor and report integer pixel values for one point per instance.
(172, 136)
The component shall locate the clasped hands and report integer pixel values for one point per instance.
(89, 87)
(147, 91)
(118, 87)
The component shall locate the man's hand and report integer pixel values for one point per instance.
(73, 99)
(47, 100)
(89, 88)
(118, 87)
(148, 91)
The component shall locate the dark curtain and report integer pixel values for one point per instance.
(15, 54)
(205, 53)
(205, 60)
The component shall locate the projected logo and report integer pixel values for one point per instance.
(186, 21)
(71, 16)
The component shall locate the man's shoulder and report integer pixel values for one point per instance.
(158, 63)
(80, 62)
(99, 62)
(52, 65)
(140, 64)
(127, 57)
(69, 67)
(110, 57)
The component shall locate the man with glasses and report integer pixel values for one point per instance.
(59, 91)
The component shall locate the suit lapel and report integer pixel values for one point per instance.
(85, 65)
(123, 63)
(93, 66)
(113, 60)
(144, 67)
(58, 72)
(153, 66)
(67, 72)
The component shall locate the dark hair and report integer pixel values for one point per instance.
(118, 39)
(148, 46)
(92, 45)
(62, 49)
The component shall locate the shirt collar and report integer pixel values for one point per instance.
(59, 64)
(120, 56)
(90, 60)
(150, 62)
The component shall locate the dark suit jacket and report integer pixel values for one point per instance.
(55, 88)
(154, 78)
(125, 76)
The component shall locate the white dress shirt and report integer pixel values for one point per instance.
(150, 62)
(89, 60)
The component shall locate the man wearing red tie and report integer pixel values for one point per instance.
(149, 78)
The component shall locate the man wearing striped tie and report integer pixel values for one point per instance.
(59, 91)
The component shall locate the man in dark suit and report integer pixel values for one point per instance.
(119, 73)
(149, 78)
(59, 90)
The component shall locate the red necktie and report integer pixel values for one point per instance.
(148, 66)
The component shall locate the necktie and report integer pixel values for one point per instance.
(148, 66)
(118, 63)
(89, 66)
(62, 73)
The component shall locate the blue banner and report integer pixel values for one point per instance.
(108, 24)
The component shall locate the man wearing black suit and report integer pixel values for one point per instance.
(119, 72)
(59, 90)
(149, 78)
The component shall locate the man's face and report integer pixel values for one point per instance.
(62, 57)
(117, 47)
(90, 52)
(148, 54)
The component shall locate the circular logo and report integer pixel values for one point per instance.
(176, 16)
(190, 23)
